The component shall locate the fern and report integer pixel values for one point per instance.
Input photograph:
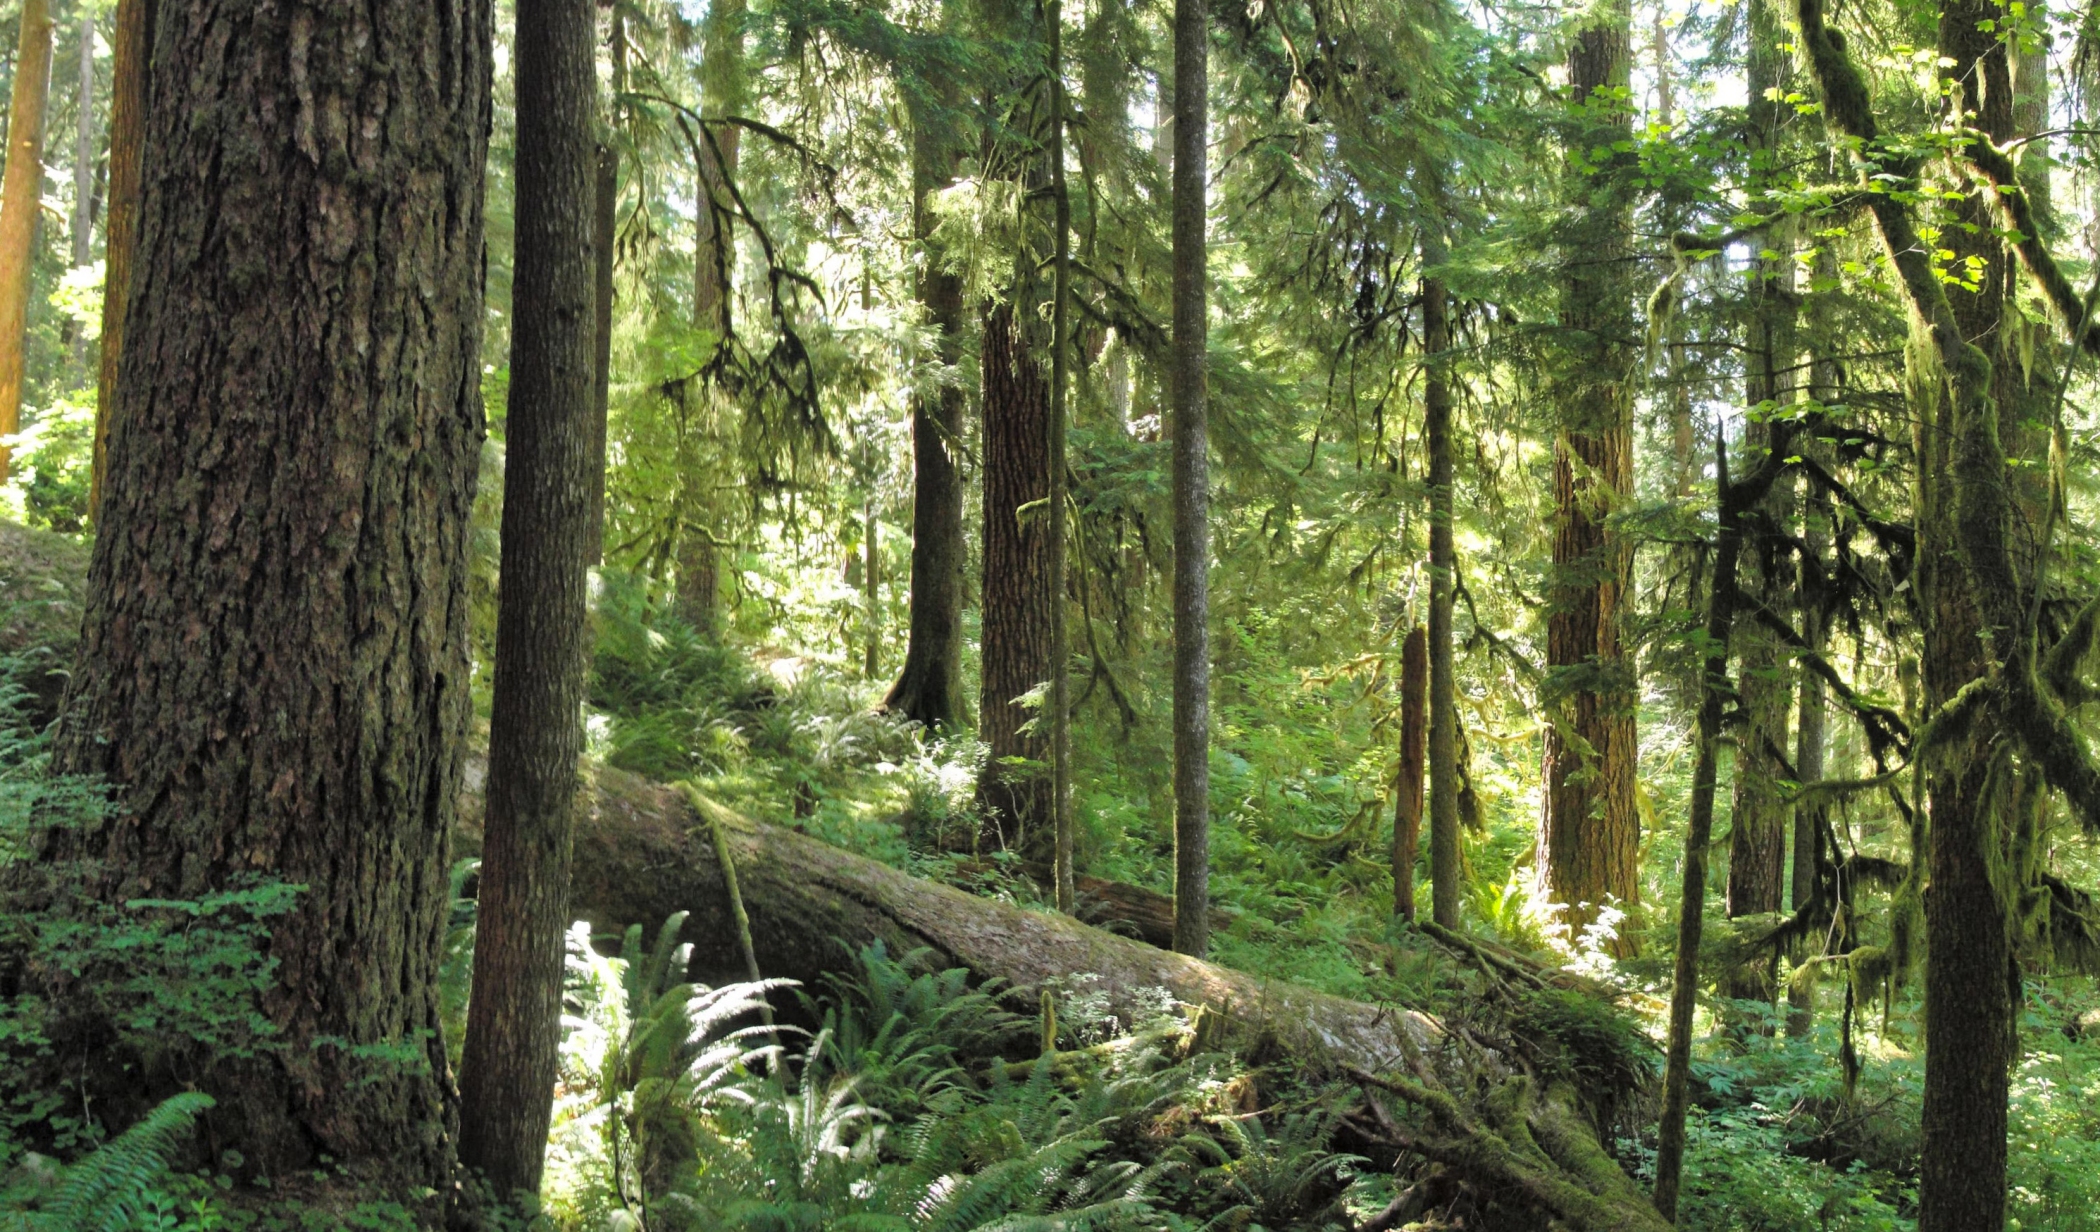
(105, 1190)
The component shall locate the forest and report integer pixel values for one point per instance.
(1043, 615)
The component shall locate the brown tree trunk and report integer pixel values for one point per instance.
(1059, 700)
(1191, 427)
(512, 1056)
(1758, 821)
(21, 202)
(1407, 784)
(1968, 962)
(605, 200)
(131, 56)
(929, 688)
(1589, 832)
(1017, 605)
(273, 663)
(1444, 863)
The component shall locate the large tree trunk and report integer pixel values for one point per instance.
(1018, 605)
(131, 56)
(642, 853)
(929, 688)
(273, 664)
(1191, 427)
(1589, 832)
(1968, 963)
(513, 1044)
(21, 202)
(605, 200)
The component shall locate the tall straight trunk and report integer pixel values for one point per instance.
(1191, 486)
(1018, 605)
(1407, 781)
(1060, 699)
(513, 1041)
(1758, 822)
(1817, 520)
(929, 687)
(605, 200)
(21, 201)
(1589, 832)
(722, 92)
(272, 665)
(1969, 970)
(131, 55)
(1444, 863)
(83, 228)
(1691, 910)
(871, 581)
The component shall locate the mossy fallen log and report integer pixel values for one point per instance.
(643, 852)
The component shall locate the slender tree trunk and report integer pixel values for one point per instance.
(1758, 822)
(929, 688)
(131, 56)
(1060, 699)
(21, 201)
(1589, 839)
(722, 92)
(85, 200)
(605, 200)
(1018, 604)
(536, 722)
(1446, 876)
(1691, 911)
(1407, 783)
(273, 665)
(1191, 392)
(871, 575)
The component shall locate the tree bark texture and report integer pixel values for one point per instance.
(1589, 836)
(1060, 695)
(513, 1043)
(722, 92)
(1759, 818)
(1018, 604)
(1445, 873)
(1407, 782)
(1191, 484)
(21, 202)
(273, 665)
(605, 200)
(1969, 1006)
(82, 231)
(929, 687)
(131, 61)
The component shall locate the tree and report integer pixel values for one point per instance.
(1446, 876)
(85, 204)
(1191, 484)
(21, 202)
(1060, 698)
(536, 721)
(928, 689)
(1018, 605)
(131, 55)
(723, 91)
(272, 666)
(1589, 832)
(1407, 783)
(1758, 821)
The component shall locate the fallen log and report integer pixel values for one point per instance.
(642, 852)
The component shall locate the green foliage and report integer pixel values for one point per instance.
(111, 1187)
